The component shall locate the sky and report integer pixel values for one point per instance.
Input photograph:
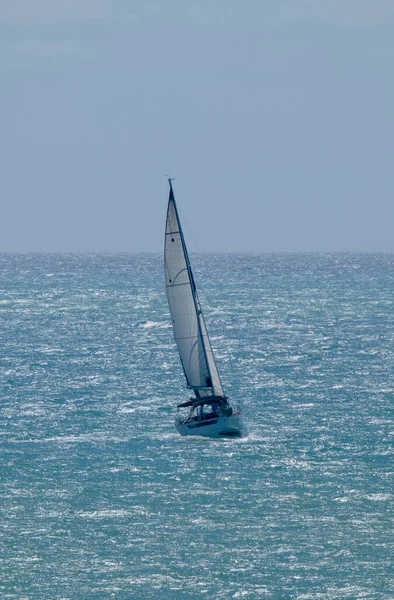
(274, 116)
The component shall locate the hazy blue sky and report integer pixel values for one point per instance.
(275, 117)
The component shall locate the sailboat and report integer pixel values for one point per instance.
(209, 412)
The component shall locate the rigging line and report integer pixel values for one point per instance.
(184, 222)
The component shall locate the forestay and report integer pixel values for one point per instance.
(187, 320)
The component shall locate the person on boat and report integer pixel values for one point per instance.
(215, 407)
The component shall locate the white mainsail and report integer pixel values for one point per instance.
(187, 320)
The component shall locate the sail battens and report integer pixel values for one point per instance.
(199, 387)
(170, 285)
(185, 337)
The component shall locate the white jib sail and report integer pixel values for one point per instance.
(187, 320)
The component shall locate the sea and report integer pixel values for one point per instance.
(100, 498)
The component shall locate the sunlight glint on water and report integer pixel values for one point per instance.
(100, 498)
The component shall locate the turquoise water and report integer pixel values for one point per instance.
(100, 498)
